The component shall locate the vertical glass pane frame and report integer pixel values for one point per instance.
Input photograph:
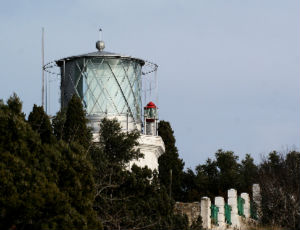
(112, 86)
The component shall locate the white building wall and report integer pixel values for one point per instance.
(152, 147)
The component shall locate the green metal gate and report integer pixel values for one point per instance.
(253, 210)
(228, 214)
(241, 203)
(214, 214)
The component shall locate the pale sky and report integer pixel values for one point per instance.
(228, 70)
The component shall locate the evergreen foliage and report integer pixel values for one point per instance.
(14, 105)
(58, 123)
(169, 162)
(279, 179)
(215, 177)
(75, 126)
(68, 182)
(42, 186)
(128, 198)
(40, 123)
(228, 168)
(197, 225)
(248, 174)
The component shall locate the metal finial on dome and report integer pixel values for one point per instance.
(100, 44)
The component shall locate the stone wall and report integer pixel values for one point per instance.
(191, 210)
(238, 220)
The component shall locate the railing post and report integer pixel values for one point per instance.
(257, 199)
(232, 201)
(246, 197)
(219, 202)
(205, 212)
(227, 214)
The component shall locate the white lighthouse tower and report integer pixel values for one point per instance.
(151, 145)
(110, 86)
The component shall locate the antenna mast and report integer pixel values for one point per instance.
(100, 34)
(43, 63)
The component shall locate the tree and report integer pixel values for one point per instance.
(190, 186)
(42, 186)
(119, 147)
(169, 162)
(228, 170)
(128, 198)
(197, 225)
(14, 104)
(279, 179)
(58, 124)
(248, 174)
(211, 177)
(75, 127)
(40, 122)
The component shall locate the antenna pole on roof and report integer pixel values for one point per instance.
(100, 34)
(43, 76)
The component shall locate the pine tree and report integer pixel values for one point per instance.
(248, 174)
(40, 122)
(42, 186)
(75, 127)
(58, 123)
(15, 105)
(170, 165)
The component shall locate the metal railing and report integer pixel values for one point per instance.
(227, 214)
(214, 214)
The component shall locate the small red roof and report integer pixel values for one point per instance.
(151, 105)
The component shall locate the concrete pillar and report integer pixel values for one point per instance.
(232, 201)
(246, 197)
(257, 199)
(219, 202)
(205, 212)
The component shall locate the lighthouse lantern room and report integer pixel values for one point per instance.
(150, 119)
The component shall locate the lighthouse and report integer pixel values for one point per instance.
(110, 86)
(150, 119)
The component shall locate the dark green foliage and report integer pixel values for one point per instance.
(228, 171)
(117, 145)
(128, 199)
(14, 104)
(58, 124)
(279, 179)
(75, 127)
(211, 177)
(248, 174)
(215, 177)
(197, 225)
(40, 123)
(42, 186)
(170, 161)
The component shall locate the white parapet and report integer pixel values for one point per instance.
(205, 212)
(127, 123)
(219, 202)
(152, 147)
(232, 201)
(257, 199)
(246, 197)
